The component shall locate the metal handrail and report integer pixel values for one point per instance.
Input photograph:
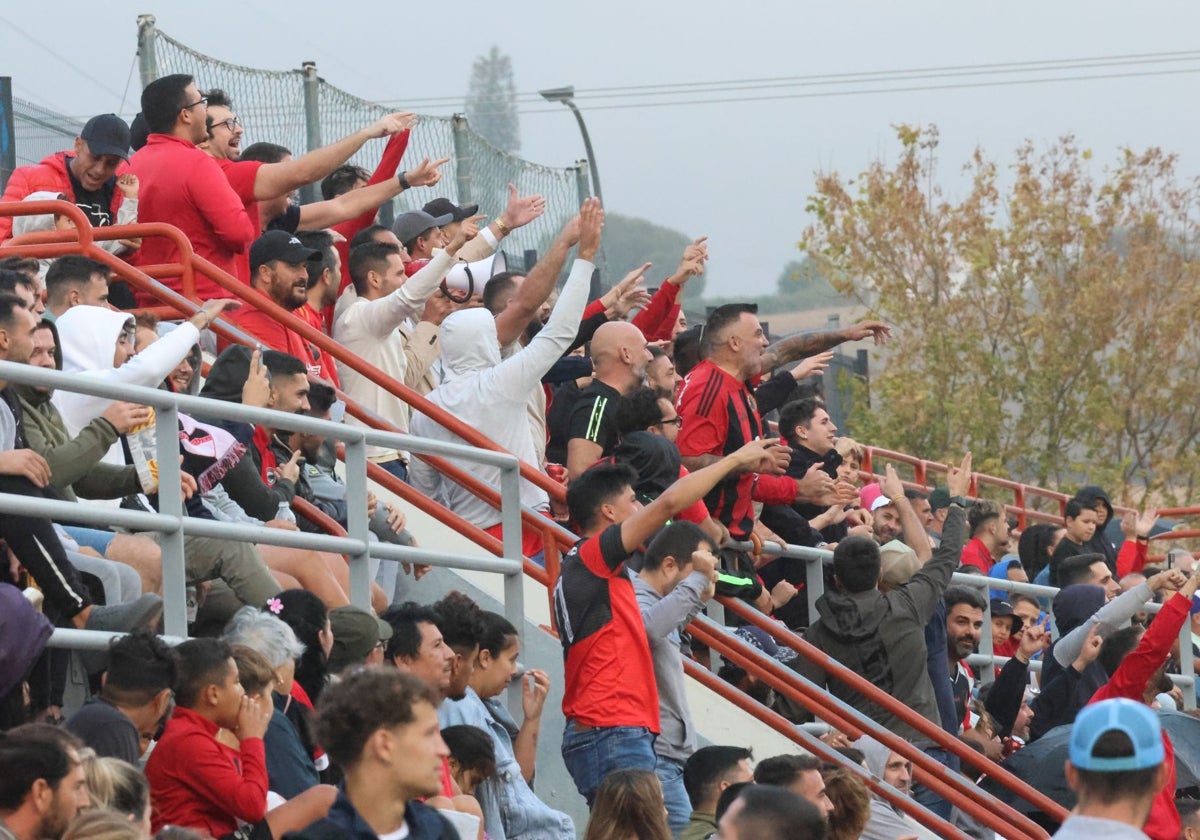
(927, 728)
(954, 787)
(820, 749)
(356, 543)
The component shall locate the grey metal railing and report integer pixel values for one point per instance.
(174, 524)
(985, 658)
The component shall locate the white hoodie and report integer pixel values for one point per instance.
(490, 395)
(88, 335)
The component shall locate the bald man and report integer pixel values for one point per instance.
(619, 358)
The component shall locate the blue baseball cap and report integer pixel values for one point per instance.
(1136, 720)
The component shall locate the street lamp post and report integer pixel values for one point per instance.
(566, 95)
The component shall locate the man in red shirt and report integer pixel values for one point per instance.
(182, 186)
(989, 536)
(720, 415)
(324, 278)
(279, 268)
(196, 781)
(610, 699)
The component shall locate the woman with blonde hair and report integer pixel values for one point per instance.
(629, 806)
(117, 785)
(103, 824)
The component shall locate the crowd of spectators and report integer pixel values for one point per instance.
(292, 711)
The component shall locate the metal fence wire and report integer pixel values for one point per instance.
(40, 132)
(272, 105)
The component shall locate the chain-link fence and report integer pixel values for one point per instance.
(297, 109)
(40, 132)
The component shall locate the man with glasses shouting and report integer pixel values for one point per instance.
(182, 186)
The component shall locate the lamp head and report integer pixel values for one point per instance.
(559, 94)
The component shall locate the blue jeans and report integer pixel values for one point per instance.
(397, 468)
(927, 797)
(679, 806)
(594, 753)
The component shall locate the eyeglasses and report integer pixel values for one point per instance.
(203, 100)
(675, 421)
(229, 124)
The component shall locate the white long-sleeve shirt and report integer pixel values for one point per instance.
(491, 395)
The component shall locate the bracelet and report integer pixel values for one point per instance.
(404, 185)
(1144, 539)
(504, 229)
(896, 499)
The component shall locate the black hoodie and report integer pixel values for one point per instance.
(1099, 543)
(1064, 690)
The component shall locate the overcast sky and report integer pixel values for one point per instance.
(737, 171)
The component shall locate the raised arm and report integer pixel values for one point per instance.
(537, 286)
(323, 214)
(810, 344)
(276, 179)
(520, 211)
(690, 489)
(524, 370)
(912, 530)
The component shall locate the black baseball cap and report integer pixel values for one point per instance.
(107, 134)
(280, 245)
(444, 206)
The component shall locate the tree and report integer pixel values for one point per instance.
(1044, 321)
(629, 242)
(492, 101)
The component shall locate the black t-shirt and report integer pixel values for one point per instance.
(558, 419)
(106, 729)
(594, 416)
(288, 220)
(96, 204)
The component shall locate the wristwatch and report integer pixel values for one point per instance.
(961, 501)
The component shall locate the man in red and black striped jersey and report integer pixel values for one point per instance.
(610, 699)
(720, 415)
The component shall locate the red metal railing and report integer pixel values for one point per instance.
(931, 730)
(817, 747)
(1024, 499)
(82, 240)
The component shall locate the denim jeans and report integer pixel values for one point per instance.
(594, 753)
(679, 806)
(397, 468)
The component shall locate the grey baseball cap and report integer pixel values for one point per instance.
(408, 226)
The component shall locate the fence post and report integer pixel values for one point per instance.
(459, 129)
(312, 120)
(8, 137)
(514, 583)
(583, 187)
(147, 59)
(170, 500)
(357, 526)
